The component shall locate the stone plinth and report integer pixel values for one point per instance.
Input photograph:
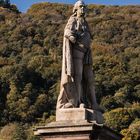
(69, 130)
(76, 124)
(79, 114)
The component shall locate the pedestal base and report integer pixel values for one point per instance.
(76, 124)
(68, 130)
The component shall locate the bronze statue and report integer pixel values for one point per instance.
(77, 79)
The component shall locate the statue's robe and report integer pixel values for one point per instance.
(67, 89)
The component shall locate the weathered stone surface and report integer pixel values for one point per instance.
(75, 130)
(77, 78)
(65, 127)
(79, 114)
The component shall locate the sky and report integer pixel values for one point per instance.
(23, 5)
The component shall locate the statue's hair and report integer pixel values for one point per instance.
(76, 5)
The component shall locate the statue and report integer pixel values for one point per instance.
(77, 79)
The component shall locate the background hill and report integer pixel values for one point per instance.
(30, 66)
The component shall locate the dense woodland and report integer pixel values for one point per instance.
(5, 3)
(30, 66)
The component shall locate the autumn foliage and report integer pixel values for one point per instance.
(30, 65)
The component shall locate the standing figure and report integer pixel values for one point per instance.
(77, 79)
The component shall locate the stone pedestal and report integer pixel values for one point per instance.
(79, 114)
(76, 124)
(68, 130)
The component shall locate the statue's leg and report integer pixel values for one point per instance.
(78, 72)
(89, 78)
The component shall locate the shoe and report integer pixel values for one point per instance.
(68, 105)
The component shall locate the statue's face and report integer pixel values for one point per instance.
(81, 10)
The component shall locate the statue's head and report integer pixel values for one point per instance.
(80, 8)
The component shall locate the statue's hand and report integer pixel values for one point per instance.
(72, 39)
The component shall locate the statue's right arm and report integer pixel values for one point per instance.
(70, 31)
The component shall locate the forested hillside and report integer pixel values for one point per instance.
(30, 66)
